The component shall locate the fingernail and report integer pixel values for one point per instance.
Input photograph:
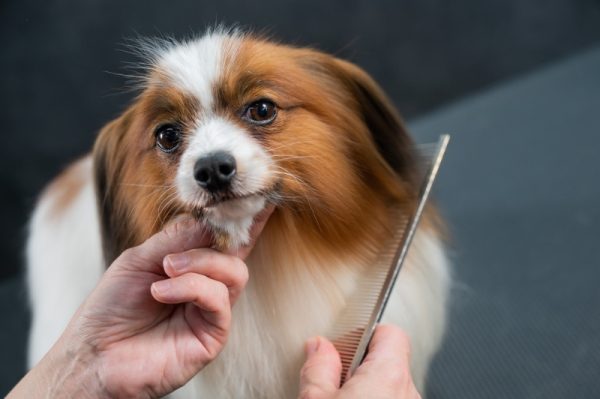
(162, 287)
(312, 346)
(177, 261)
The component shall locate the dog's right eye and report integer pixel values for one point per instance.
(168, 137)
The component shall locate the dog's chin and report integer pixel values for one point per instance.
(231, 220)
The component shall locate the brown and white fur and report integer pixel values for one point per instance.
(335, 160)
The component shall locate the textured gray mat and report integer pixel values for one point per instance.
(521, 189)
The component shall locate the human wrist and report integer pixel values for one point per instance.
(66, 371)
(69, 370)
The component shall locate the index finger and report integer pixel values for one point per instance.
(187, 234)
(179, 236)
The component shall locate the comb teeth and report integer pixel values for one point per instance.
(354, 327)
(350, 328)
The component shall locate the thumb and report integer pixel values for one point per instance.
(320, 375)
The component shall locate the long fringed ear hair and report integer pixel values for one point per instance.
(387, 128)
(389, 134)
(109, 164)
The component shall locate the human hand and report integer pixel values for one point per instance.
(160, 313)
(383, 374)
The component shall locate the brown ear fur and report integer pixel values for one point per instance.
(390, 135)
(108, 169)
(383, 121)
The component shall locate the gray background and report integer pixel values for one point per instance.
(519, 186)
(520, 189)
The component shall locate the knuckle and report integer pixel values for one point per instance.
(176, 229)
(305, 371)
(128, 254)
(396, 374)
(310, 392)
(222, 293)
(172, 230)
(308, 370)
(194, 282)
(243, 274)
(209, 256)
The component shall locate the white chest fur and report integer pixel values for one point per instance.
(276, 315)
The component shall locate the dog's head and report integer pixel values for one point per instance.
(228, 122)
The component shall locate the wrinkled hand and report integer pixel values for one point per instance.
(152, 332)
(160, 313)
(383, 374)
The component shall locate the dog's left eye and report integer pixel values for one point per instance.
(261, 112)
(168, 137)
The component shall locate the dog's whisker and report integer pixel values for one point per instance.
(165, 203)
(289, 175)
(281, 172)
(294, 157)
(165, 200)
(161, 217)
(289, 144)
(147, 185)
(165, 194)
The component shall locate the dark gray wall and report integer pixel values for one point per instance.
(55, 91)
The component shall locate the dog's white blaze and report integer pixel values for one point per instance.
(195, 66)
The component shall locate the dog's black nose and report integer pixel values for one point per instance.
(215, 171)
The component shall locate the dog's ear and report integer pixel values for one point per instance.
(109, 160)
(380, 116)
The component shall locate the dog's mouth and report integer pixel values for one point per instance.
(218, 199)
(271, 194)
(230, 200)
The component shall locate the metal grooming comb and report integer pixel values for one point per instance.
(354, 328)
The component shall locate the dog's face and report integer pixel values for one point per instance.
(227, 123)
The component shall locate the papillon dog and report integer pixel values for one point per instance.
(223, 125)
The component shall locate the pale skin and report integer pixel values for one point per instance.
(162, 312)
(383, 374)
